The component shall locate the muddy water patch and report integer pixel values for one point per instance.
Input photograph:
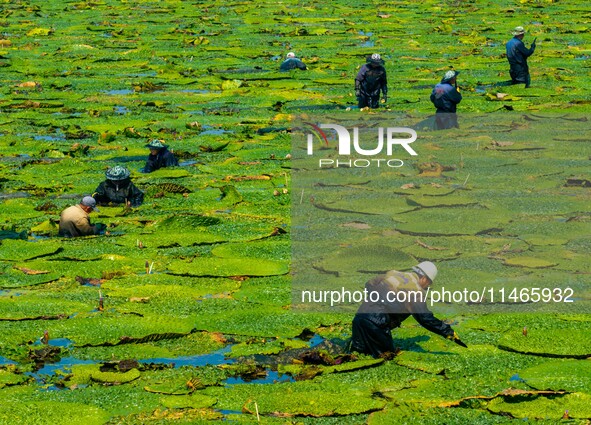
(268, 377)
(119, 92)
(209, 130)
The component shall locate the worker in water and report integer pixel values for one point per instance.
(401, 294)
(159, 157)
(517, 55)
(446, 97)
(75, 220)
(371, 80)
(292, 62)
(118, 189)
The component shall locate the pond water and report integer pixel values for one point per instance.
(38, 238)
(215, 358)
(57, 342)
(49, 138)
(5, 361)
(189, 163)
(214, 131)
(516, 378)
(121, 110)
(119, 92)
(63, 365)
(226, 412)
(315, 340)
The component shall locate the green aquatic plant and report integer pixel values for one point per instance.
(559, 375)
(88, 374)
(228, 267)
(86, 84)
(575, 406)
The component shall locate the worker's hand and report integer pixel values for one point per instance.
(385, 98)
(357, 94)
(534, 43)
(455, 338)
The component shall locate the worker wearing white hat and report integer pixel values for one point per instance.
(292, 62)
(375, 319)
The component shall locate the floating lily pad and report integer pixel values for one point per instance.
(269, 249)
(9, 377)
(47, 227)
(183, 222)
(297, 400)
(549, 341)
(14, 278)
(368, 205)
(266, 347)
(87, 374)
(562, 375)
(194, 236)
(418, 414)
(577, 404)
(194, 401)
(540, 240)
(529, 262)
(52, 412)
(229, 267)
(296, 370)
(169, 173)
(442, 201)
(18, 250)
(367, 259)
(451, 221)
(87, 83)
(109, 265)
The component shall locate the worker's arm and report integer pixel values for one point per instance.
(84, 227)
(455, 96)
(433, 324)
(525, 51)
(136, 196)
(427, 320)
(100, 194)
(359, 79)
(149, 167)
(170, 160)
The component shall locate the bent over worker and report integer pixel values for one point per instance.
(374, 321)
(75, 220)
(292, 62)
